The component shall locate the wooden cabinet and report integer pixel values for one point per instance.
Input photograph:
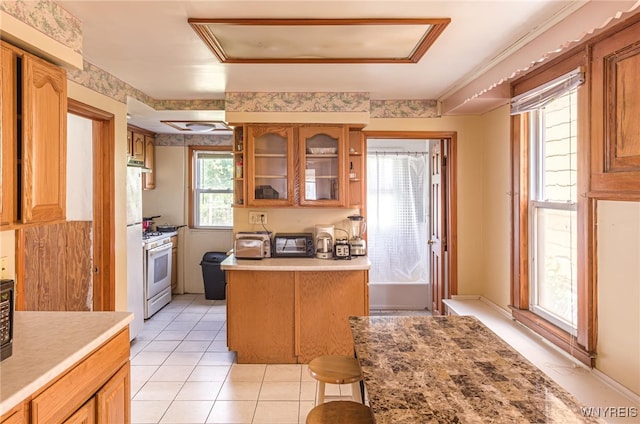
(293, 316)
(137, 146)
(357, 170)
(326, 300)
(96, 389)
(293, 165)
(270, 174)
(174, 264)
(85, 415)
(34, 120)
(113, 400)
(129, 143)
(149, 178)
(260, 311)
(322, 168)
(615, 107)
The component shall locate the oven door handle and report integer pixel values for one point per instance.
(157, 250)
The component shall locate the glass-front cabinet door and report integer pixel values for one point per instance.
(270, 180)
(322, 153)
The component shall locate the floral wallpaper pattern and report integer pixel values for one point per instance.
(49, 18)
(194, 140)
(297, 102)
(404, 109)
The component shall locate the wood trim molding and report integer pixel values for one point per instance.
(104, 283)
(191, 185)
(556, 336)
(451, 194)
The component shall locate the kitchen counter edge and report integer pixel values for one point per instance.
(47, 344)
(295, 264)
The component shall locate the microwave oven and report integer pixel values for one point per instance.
(7, 296)
(252, 245)
(293, 245)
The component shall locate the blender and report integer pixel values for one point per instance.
(358, 246)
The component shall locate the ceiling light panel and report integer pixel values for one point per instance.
(319, 40)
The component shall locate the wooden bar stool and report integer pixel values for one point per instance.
(336, 369)
(340, 412)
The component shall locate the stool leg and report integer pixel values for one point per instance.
(320, 393)
(355, 392)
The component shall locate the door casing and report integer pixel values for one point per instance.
(449, 207)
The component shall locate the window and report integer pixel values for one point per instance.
(212, 176)
(553, 284)
(553, 212)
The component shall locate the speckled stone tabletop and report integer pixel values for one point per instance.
(453, 369)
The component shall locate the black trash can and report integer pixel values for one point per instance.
(214, 278)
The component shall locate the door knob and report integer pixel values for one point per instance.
(431, 242)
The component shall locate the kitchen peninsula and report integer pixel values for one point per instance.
(66, 366)
(453, 369)
(290, 310)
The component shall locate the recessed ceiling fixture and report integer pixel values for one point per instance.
(198, 126)
(319, 40)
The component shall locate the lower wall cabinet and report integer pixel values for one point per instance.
(293, 316)
(94, 390)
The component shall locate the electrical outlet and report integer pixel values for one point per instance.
(257, 218)
(4, 264)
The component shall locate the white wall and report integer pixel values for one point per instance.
(619, 292)
(79, 168)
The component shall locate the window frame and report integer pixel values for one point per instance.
(583, 344)
(193, 150)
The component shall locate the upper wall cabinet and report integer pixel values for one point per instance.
(34, 121)
(149, 178)
(615, 108)
(298, 165)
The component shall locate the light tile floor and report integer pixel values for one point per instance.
(182, 372)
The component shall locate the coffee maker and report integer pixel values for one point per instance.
(357, 244)
(324, 241)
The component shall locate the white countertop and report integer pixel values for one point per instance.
(45, 344)
(295, 264)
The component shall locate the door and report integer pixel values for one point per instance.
(437, 240)
(158, 269)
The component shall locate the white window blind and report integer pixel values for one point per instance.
(541, 95)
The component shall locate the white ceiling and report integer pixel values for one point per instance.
(150, 45)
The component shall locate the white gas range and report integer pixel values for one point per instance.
(157, 271)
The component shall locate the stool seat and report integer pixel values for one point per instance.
(335, 369)
(340, 412)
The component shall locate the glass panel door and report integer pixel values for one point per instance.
(272, 179)
(322, 155)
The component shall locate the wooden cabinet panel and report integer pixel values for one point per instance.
(44, 141)
(57, 266)
(615, 107)
(34, 117)
(129, 143)
(137, 146)
(260, 311)
(72, 390)
(149, 178)
(322, 175)
(85, 415)
(114, 398)
(15, 416)
(326, 300)
(8, 171)
(358, 167)
(271, 166)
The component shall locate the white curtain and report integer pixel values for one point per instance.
(397, 215)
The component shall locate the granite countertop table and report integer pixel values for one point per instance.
(453, 369)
